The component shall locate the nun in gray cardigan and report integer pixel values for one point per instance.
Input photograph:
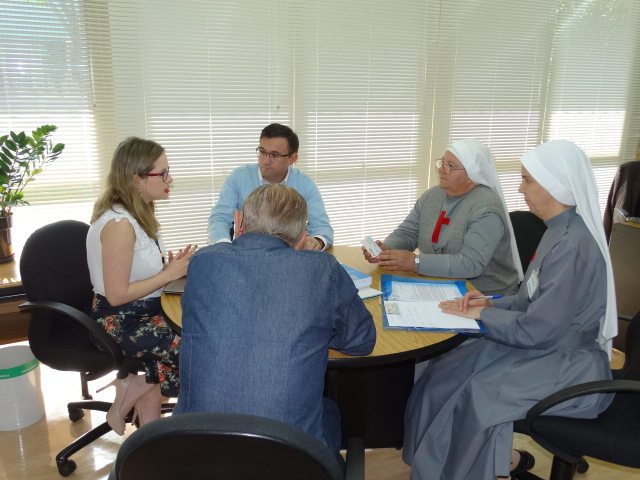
(461, 226)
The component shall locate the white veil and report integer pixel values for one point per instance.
(481, 169)
(564, 171)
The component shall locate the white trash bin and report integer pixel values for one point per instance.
(21, 401)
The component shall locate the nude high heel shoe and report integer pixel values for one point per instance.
(128, 391)
(149, 406)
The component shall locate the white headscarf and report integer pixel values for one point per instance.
(478, 161)
(564, 171)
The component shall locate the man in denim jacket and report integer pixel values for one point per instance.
(259, 316)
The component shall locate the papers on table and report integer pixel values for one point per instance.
(360, 279)
(412, 304)
(425, 292)
(368, 292)
(425, 315)
(176, 286)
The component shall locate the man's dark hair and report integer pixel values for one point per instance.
(277, 130)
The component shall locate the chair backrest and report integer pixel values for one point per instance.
(528, 230)
(53, 267)
(625, 262)
(623, 201)
(631, 368)
(224, 446)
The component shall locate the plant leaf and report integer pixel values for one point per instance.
(21, 158)
(11, 145)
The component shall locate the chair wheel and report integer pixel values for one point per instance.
(582, 467)
(75, 414)
(67, 467)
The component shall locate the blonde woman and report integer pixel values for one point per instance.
(129, 271)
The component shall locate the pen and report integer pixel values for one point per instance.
(483, 297)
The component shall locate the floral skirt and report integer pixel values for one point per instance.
(142, 333)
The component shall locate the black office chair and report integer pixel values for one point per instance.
(62, 335)
(623, 202)
(229, 446)
(528, 230)
(625, 262)
(612, 437)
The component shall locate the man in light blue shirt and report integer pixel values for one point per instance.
(277, 153)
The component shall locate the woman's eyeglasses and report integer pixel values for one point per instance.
(164, 175)
(447, 166)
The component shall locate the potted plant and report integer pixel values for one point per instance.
(21, 158)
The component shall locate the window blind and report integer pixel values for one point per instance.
(593, 83)
(516, 74)
(375, 91)
(50, 60)
(201, 78)
(360, 110)
(492, 75)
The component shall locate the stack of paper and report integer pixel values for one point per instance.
(368, 292)
(413, 304)
(359, 278)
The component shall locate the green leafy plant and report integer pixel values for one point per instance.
(21, 158)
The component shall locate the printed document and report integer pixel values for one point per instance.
(414, 304)
(425, 315)
(425, 292)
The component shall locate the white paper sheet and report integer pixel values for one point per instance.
(423, 292)
(425, 315)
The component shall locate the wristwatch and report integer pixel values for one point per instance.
(416, 264)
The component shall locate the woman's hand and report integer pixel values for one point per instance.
(369, 257)
(179, 263)
(400, 260)
(466, 306)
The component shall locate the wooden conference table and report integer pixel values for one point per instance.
(371, 391)
(14, 324)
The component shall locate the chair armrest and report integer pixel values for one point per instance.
(105, 341)
(631, 367)
(601, 386)
(355, 459)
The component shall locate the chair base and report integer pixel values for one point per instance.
(560, 470)
(355, 459)
(65, 465)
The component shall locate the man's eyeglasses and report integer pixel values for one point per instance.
(164, 175)
(447, 166)
(272, 156)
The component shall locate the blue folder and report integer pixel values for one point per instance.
(385, 286)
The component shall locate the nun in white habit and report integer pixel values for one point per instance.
(554, 333)
(461, 226)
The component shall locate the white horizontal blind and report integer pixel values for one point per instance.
(492, 74)
(593, 83)
(202, 78)
(376, 90)
(516, 74)
(360, 109)
(50, 56)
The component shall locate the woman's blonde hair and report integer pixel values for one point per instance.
(133, 156)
